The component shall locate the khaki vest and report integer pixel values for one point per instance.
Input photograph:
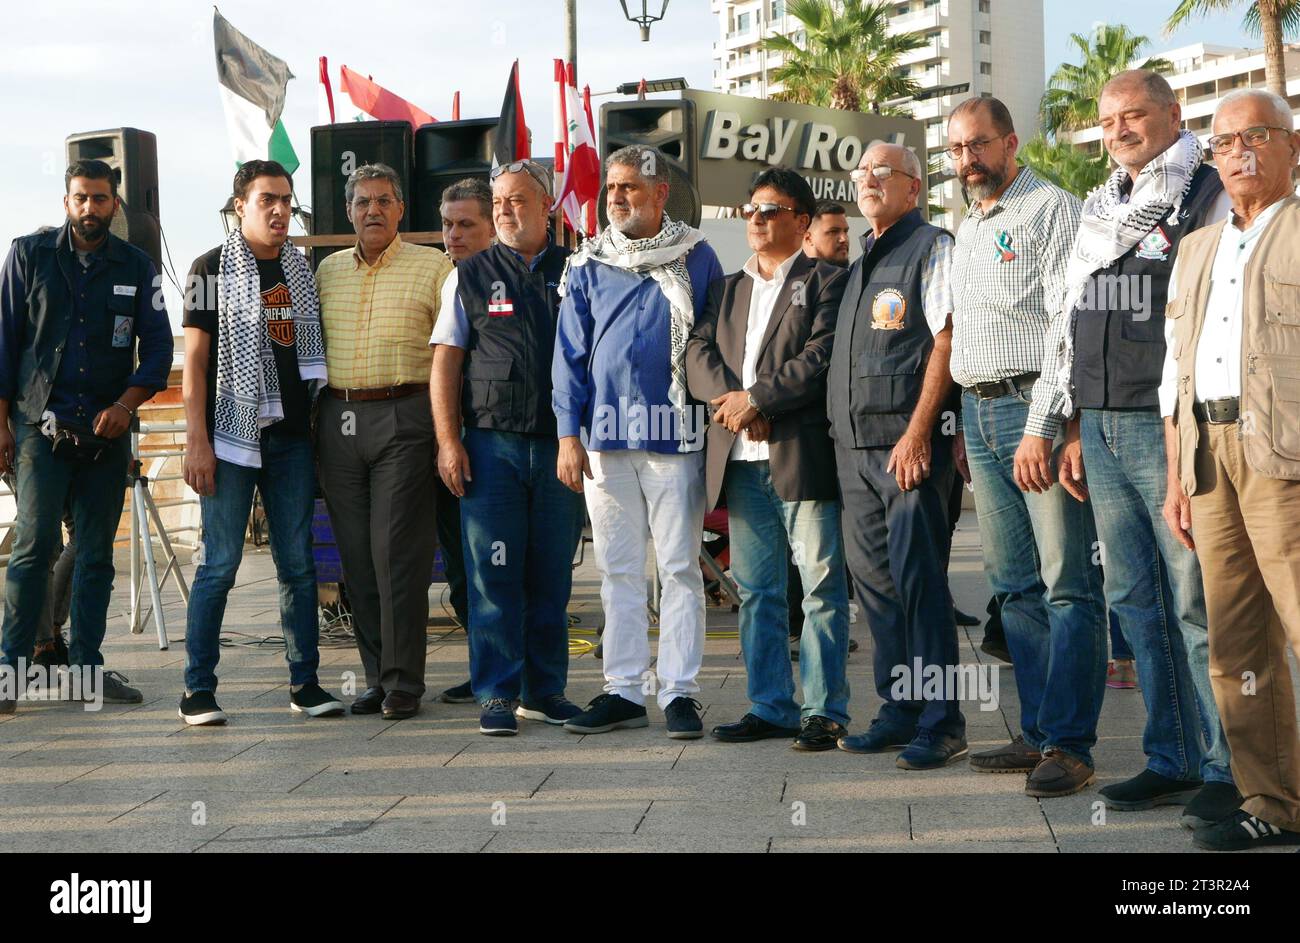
(1270, 345)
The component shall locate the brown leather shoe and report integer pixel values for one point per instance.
(1016, 757)
(399, 705)
(1058, 774)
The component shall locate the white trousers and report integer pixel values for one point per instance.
(640, 495)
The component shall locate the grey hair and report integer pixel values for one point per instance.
(1281, 110)
(471, 188)
(911, 163)
(642, 158)
(1155, 85)
(373, 172)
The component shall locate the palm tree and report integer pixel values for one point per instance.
(1070, 102)
(848, 59)
(1270, 18)
(1068, 167)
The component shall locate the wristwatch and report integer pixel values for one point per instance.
(749, 398)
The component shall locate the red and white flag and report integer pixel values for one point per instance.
(576, 143)
(368, 100)
(324, 94)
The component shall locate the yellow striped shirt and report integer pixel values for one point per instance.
(377, 318)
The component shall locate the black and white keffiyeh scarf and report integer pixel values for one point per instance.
(663, 258)
(248, 384)
(1111, 226)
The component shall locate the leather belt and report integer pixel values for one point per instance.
(381, 392)
(1004, 387)
(1218, 411)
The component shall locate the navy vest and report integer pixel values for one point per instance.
(1119, 333)
(882, 338)
(512, 314)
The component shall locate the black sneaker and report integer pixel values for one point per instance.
(931, 750)
(1242, 830)
(497, 718)
(608, 712)
(200, 710)
(817, 733)
(460, 694)
(1215, 802)
(1147, 790)
(312, 700)
(117, 691)
(556, 710)
(683, 716)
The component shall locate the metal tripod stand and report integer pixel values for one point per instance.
(143, 511)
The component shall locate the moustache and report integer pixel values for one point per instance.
(976, 168)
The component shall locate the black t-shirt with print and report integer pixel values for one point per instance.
(277, 316)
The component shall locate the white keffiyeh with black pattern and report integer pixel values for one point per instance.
(663, 258)
(248, 384)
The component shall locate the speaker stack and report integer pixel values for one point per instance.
(668, 126)
(446, 152)
(339, 149)
(133, 156)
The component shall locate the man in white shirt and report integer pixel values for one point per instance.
(758, 355)
(1230, 395)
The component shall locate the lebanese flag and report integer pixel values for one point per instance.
(511, 142)
(582, 163)
(374, 101)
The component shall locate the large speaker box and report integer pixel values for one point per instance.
(444, 153)
(668, 126)
(339, 149)
(133, 155)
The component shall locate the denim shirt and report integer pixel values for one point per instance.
(612, 364)
(74, 338)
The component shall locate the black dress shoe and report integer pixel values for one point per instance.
(750, 728)
(400, 704)
(369, 701)
(964, 618)
(818, 733)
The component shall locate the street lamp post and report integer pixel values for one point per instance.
(645, 17)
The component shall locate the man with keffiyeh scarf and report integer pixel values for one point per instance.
(1103, 366)
(627, 424)
(254, 362)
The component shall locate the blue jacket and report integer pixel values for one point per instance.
(69, 335)
(613, 351)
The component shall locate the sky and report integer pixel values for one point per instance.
(68, 67)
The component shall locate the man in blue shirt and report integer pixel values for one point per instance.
(84, 340)
(626, 422)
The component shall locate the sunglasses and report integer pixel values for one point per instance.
(536, 171)
(766, 211)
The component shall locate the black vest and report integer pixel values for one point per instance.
(881, 338)
(1119, 333)
(512, 315)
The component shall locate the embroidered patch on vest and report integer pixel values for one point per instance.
(887, 310)
(1155, 246)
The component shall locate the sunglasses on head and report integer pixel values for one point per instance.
(536, 171)
(766, 211)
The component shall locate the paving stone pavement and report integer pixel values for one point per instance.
(135, 778)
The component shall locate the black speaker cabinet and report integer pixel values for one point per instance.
(668, 126)
(339, 149)
(444, 153)
(133, 155)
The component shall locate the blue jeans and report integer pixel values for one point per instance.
(760, 524)
(1038, 550)
(896, 543)
(287, 482)
(96, 493)
(1153, 585)
(519, 529)
(1119, 650)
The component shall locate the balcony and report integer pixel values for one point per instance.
(919, 20)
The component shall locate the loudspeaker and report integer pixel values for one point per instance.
(668, 126)
(339, 149)
(444, 153)
(133, 155)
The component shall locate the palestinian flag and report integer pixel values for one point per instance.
(511, 141)
(252, 83)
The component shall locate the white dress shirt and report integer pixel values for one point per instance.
(1218, 351)
(762, 302)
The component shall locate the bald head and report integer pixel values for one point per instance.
(1139, 117)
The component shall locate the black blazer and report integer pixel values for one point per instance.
(791, 377)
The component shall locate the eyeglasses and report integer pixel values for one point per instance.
(383, 202)
(1250, 137)
(882, 172)
(766, 211)
(534, 170)
(976, 148)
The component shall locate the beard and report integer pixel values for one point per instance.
(636, 224)
(91, 228)
(992, 182)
